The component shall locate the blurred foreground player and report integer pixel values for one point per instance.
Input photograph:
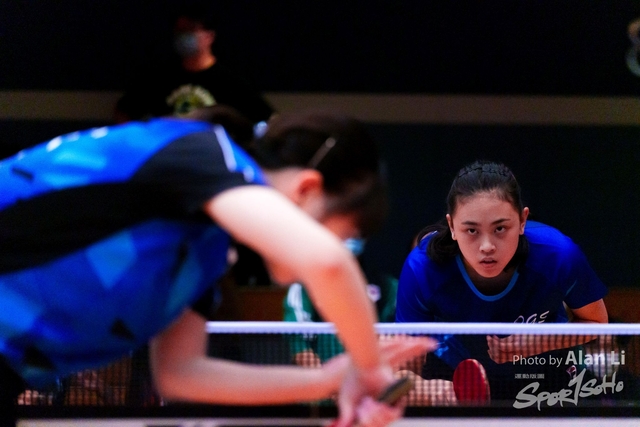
(110, 236)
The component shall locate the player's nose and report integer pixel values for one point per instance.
(487, 246)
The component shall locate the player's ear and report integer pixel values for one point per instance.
(309, 192)
(450, 223)
(309, 182)
(307, 186)
(523, 219)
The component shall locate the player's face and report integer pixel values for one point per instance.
(342, 225)
(198, 38)
(487, 230)
(317, 205)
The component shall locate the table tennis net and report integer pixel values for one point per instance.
(495, 365)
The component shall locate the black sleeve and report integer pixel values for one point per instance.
(188, 172)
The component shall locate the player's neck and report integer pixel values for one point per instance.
(199, 63)
(492, 285)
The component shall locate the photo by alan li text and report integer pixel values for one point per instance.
(573, 357)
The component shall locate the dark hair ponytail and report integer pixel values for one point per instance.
(337, 146)
(478, 177)
(442, 248)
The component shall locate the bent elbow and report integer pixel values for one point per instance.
(331, 263)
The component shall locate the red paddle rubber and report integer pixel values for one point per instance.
(470, 383)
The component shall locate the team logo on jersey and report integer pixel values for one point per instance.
(188, 98)
(534, 318)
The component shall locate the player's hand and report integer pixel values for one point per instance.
(359, 384)
(399, 350)
(517, 347)
(507, 349)
(371, 413)
(502, 350)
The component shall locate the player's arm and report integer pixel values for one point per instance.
(182, 371)
(411, 306)
(596, 312)
(297, 248)
(503, 350)
(307, 358)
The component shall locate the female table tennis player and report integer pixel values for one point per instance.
(110, 236)
(486, 263)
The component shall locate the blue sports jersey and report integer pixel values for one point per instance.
(103, 240)
(554, 272)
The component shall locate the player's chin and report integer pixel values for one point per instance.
(489, 270)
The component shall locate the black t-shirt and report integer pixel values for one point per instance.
(176, 91)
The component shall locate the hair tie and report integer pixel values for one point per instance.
(321, 153)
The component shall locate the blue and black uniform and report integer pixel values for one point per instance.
(104, 242)
(555, 272)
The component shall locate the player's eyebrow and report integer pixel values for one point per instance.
(496, 222)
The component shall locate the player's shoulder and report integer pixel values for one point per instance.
(421, 251)
(193, 147)
(151, 136)
(549, 243)
(538, 232)
(169, 127)
(418, 255)
(121, 144)
(144, 134)
(425, 269)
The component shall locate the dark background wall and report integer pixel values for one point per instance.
(454, 46)
(581, 178)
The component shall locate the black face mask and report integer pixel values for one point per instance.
(186, 44)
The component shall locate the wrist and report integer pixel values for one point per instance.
(334, 371)
(376, 378)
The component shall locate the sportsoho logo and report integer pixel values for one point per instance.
(579, 386)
